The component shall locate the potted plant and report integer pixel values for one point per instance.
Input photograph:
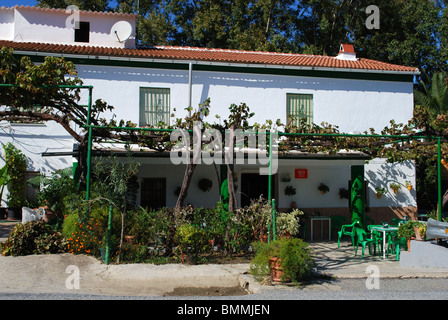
(290, 191)
(323, 188)
(408, 185)
(407, 231)
(205, 184)
(395, 186)
(288, 223)
(344, 193)
(284, 260)
(379, 192)
(286, 177)
(422, 231)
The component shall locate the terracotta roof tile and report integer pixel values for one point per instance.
(213, 55)
(107, 13)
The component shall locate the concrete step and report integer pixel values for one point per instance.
(425, 254)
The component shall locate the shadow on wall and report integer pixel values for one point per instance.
(381, 174)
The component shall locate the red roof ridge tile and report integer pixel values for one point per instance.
(59, 10)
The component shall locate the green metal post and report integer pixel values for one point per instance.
(439, 180)
(89, 146)
(270, 191)
(274, 221)
(109, 232)
(270, 169)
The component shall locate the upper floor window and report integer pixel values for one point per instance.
(154, 106)
(298, 107)
(82, 32)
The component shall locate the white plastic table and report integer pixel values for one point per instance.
(384, 230)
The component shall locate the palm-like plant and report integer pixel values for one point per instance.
(434, 97)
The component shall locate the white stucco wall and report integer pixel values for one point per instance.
(7, 24)
(353, 105)
(35, 25)
(379, 173)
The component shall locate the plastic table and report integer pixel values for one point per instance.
(385, 230)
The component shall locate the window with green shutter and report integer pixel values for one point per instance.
(154, 106)
(299, 106)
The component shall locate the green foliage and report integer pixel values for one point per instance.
(16, 167)
(406, 230)
(289, 222)
(294, 253)
(290, 191)
(251, 223)
(191, 239)
(54, 189)
(33, 237)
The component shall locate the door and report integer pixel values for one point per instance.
(253, 186)
(153, 193)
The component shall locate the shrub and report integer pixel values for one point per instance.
(252, 221)
(87, 238)
(406, 230)
(289, 222)
(191, 240)
(54, 189)
(16, 167)
(294, 253)
(34, 237)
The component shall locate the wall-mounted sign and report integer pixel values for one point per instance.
(301, 173)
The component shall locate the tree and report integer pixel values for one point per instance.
(47, 92)
(116, 182)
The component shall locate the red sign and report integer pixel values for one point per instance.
(301, 173)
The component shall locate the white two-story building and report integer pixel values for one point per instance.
(147, 85)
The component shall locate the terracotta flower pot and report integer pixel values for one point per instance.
(275, 265)
(417, 235)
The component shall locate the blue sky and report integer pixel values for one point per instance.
(11, 3)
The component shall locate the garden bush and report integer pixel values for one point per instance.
(34, 237)
(295, 254)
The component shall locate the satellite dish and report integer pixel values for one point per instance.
(121, 31)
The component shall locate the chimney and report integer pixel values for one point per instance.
(346, 52)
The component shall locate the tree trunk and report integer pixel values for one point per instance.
(232, 196)
(185, 184)
(189, 170)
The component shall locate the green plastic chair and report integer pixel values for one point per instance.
(394, 245)
(396, 222)
(377, 236)
(336, 223)
(363, 240)
(347, 230)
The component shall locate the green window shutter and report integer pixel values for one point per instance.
(154, 106)
(299, 106)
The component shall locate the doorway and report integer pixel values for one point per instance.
(254, 185)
